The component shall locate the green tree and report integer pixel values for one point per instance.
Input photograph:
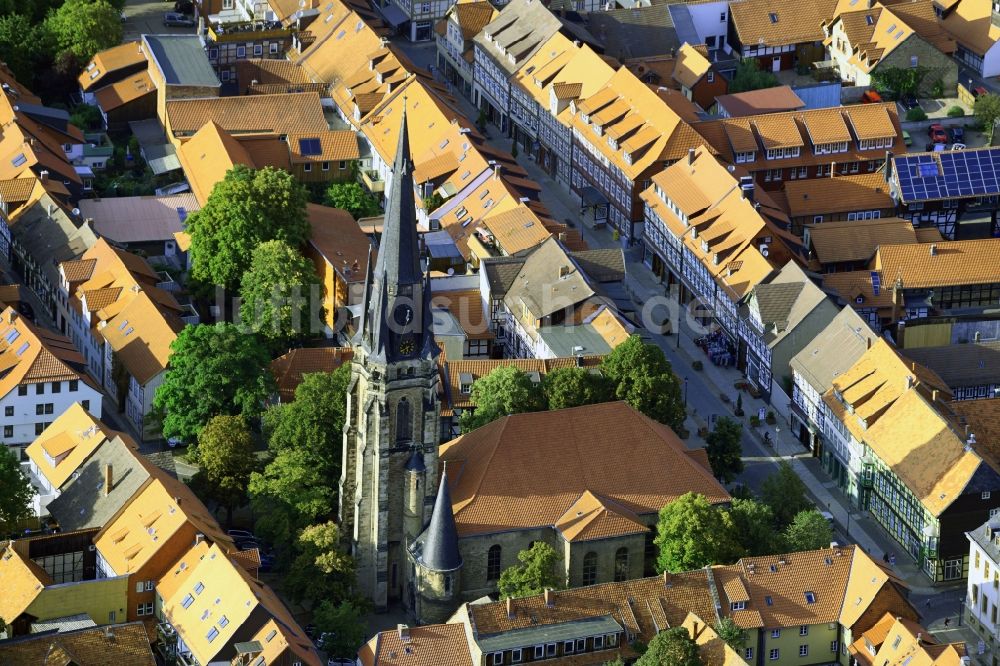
(24, 45)
(617, 661)
(353, 198)
(15, 493)
(536, 571)
(642, 376)
(692, 533)
(750, 76)
(226, 455)
(724, 446)
(278, 292)
(671, 647)
(898, 81)
(213, 369)
(731, 633)
(246, 208)
(987, 111)
(84, 27)
(753, 526)
(785, 493)
(573, 387)
(305, 437)
(321, 570)
(504, 391)
(809, 530)
(344, 626)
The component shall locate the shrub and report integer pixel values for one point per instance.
(956, 112)
(916, 114)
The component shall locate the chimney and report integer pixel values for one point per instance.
(404, 632)
(510, 608)
(43, 175)
(550, 600)
(579, 360)
(934, 395)
(198, 538)
(108, 479)
(908, 382)
(933, 249)
(563, 271)
(691, 152)
(920, 636)
(869, 341)
(177, 501)
(666, 578)
(747, 187)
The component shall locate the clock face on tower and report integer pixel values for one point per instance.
(407, 346)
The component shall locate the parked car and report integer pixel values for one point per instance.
(907, 139)
(958, 134)
(958, 146)
(937, 133)
(909, 101)
(177, 20)
(240, 534)
(871, 97)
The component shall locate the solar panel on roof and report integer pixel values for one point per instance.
(876, 283)
(949, 174)
(927, 170)
(310, 147)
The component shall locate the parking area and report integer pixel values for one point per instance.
(146, 17)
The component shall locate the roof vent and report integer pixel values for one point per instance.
(933, 249)
(404, 632)
(550, 599)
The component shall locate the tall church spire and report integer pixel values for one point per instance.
(399, 253)
(440, 549)
(397, 322)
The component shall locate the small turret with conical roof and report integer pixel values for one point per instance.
(437, 561)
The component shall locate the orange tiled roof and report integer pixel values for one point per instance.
(288, 369)
(129, 54)
(122, 92)
(430, 645)
(484, 463)
(23, 581)
(837, 194)
(948, 263)
(287, 113)
(857, 240)
(764, 23)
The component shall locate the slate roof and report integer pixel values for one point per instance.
(181, 59)
(437, 547)
(521, 27)
(139, 219)
(961, 364)
(834, 350)
(83, 502)
(636, 32)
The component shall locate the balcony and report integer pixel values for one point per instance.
(247, 31)
(372, 181)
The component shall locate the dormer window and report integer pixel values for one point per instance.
(628, 158)
(704, 245)
(585, 117)
(613, 143)
(598, 130)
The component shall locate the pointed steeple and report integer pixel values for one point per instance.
(399, 253)
(359, 337)
(440, 551)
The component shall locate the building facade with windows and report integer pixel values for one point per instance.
(927, 463)
(983, 588)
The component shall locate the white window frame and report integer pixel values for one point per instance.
(516, 656)
(272, 48)
(776, 633)
(774, 654)
(803, 630)
(497, 658)
(539, 652)
(258, 50)
(241, 51)
(804, 650)
(598, 642)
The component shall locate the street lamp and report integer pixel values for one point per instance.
(685, 392)
(777, 444)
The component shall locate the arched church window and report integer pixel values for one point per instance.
(493, 563)
(404, 421)
(590, 568)
(621, 564)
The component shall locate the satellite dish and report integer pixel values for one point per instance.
(451, 271)
(76, 212)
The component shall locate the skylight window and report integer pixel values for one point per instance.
(891, 28)
(810, 597)
(23, 348)
(19, 160)
(199, 588)
(769, 601)
(212, 634)
(188, 600)
(774, 17)
(123, 325)
(223, 621)
(129, 331)
(12, 335)
(310, 147)
(869, 19)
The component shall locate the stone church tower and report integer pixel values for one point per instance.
(390, 457)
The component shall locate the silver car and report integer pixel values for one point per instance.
(175, 19)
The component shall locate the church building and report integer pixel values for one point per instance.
(433, 526)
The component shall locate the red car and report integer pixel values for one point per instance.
(938, 133)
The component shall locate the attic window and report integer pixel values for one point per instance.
(123, 325)
(188, 600)
(129, 331)
(810, 597)
(94, 74)
(12, 335)
(774, 17)
(891, 28)
(19, 160)
(869, 19)
(465, 383)
(340, 35)
(199, 588)
(270, 636)
(212, 634)
(466, 175)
